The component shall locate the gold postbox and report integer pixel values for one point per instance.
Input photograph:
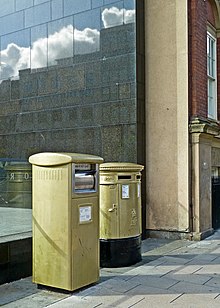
(65, 219)
(120, 214)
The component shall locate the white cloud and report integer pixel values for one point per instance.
(86, 41)
(113, 16)
(12, 59)
(60, 44)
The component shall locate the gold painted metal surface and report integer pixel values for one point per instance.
(120, 200)
(109, 220)
(18, 185)
(65, 227)
(52, 159)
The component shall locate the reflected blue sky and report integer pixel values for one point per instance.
(90, 19)
(76, 7)
(7, 7)
(37, 15)
(23, 4)
(20, 38)
(39, 40)
(57, 9)
(11, 23)
(97, 3)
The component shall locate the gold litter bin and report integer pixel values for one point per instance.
(120, 214)
(18, 184)
(65, 219)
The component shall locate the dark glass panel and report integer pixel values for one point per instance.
(87, 32)
(37, 15)
(20, 38)
(109, 1)
(11, 23)
(15, 196)
(23, 4)
(113, 15)
(129, 11)
(0, 62)
(60, 40)
(15, 53)
(57, 9)
(36, 2)
(129, 4)
(89, 19)
(76, 6)
(39, 46)
(7, 7)
(97, 3)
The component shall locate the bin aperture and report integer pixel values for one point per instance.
(85, 178)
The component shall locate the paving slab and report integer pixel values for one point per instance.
(209, 269)
(120, 285)
(195, 301)
(156, 301)
(213, 282)
(193, 288)
(157, 282)
(188, 269)
(191, 278)
(171, 274)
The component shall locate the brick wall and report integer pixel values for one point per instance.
(197, 58)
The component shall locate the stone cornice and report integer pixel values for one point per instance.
(204, 125)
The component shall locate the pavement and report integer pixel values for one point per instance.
(172, 273)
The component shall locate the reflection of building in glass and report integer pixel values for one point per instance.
(67, 83)
(69, 78)
(83, 103)
(44, 40)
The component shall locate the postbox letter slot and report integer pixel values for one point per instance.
(124, 177)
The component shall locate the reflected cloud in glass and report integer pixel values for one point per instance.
(53, 41)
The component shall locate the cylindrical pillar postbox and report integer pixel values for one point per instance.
(120, 214)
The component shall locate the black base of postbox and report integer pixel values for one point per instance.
(120, 252)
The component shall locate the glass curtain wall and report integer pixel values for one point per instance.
(67, 83)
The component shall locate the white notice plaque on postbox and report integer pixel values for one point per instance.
(125, 191)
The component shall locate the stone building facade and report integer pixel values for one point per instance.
(182, 117)
(126, 80)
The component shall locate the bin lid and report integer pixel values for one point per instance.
(120, 166)
(53, 159)
(17, 166)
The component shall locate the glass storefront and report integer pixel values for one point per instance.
(15, 196)
(67, 83)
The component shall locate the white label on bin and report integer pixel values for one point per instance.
(85, 213)
(125, 191)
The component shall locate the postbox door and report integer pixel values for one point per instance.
(85, 238)
(129, 209)
(109, 221)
